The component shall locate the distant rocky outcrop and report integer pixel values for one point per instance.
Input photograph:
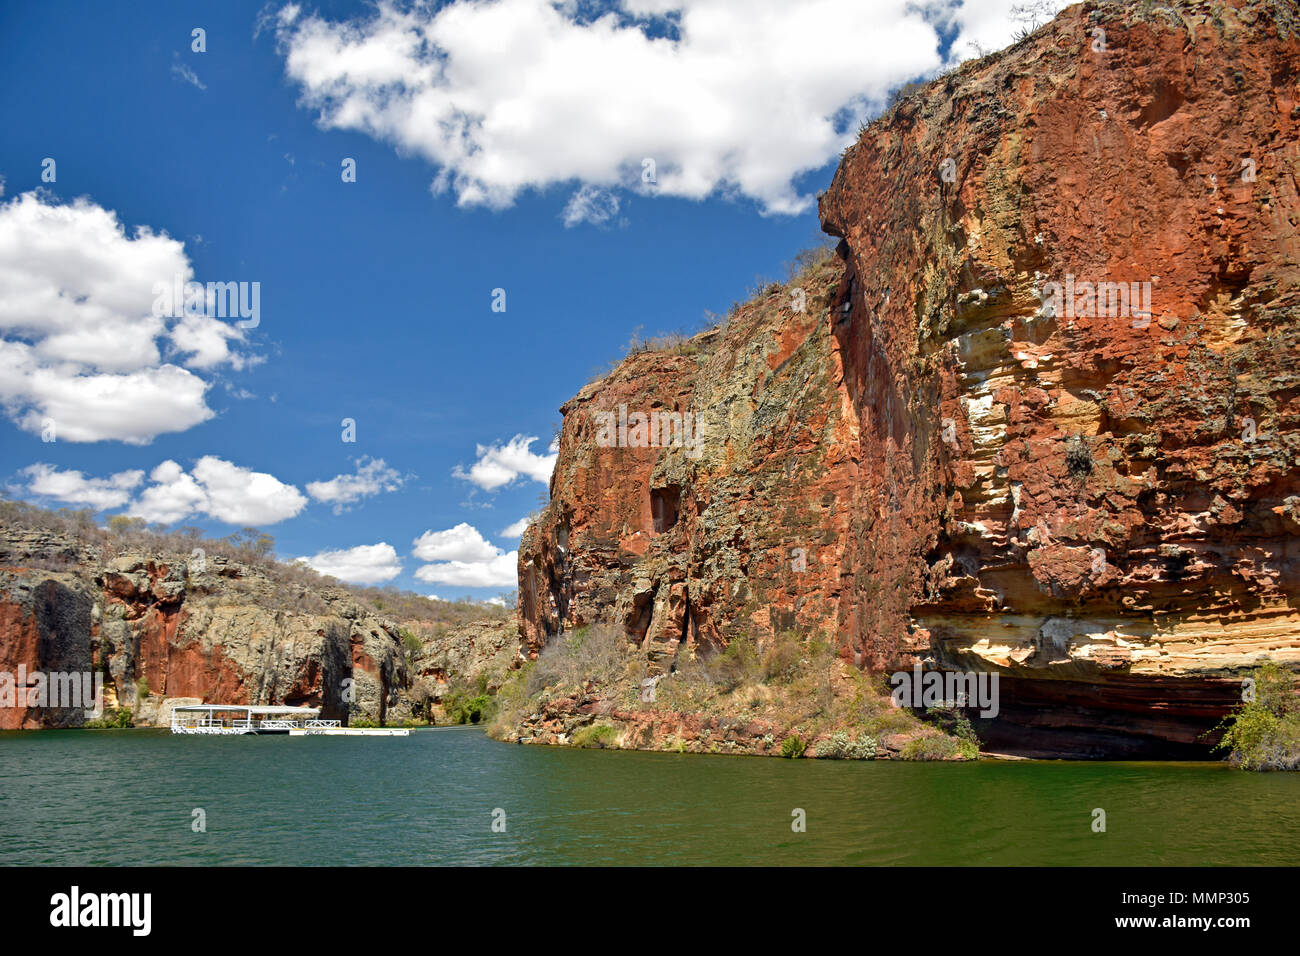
(1038, 415)
(161, 627)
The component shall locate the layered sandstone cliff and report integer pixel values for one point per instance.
(952, 453)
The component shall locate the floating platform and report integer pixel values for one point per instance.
(351, 732)
(255, 719)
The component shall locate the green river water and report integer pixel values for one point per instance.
(128, 797)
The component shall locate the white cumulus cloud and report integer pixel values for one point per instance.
(74, 488)
(737, 97)
(461, 557)
(216, 489)
(242, 496)
(207, 342)
(461, 543)
(517, 529)
(81, 348)
(372, 477)
(499, 465)
(364, 564)
(173, 495)
(501, 571)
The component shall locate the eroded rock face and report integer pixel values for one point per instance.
(463, 655)
(984, 468)
(737, 526)
(159, 629)
(40, 618)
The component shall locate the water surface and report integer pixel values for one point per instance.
(127, 797)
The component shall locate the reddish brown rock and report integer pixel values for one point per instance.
(1095, 499)
(35, 618)
(685, 547)
(158, 628)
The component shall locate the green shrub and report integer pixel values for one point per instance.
(793, 747)
(953, 720)
(936, 747)
(890, 720)
(1264, 733)
(463, 708)
(512, 701)
(410, 641)
(964, 730)
(118, 719)
(596, 735)
(840, 746)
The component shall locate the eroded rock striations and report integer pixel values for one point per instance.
(954, 453)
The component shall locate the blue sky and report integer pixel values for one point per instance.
(376, 295)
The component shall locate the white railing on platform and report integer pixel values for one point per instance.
(194, 724)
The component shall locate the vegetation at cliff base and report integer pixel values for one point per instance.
(461, 708)
(841, 746)
(469, 703)
(1264, 732)
(117, 719)
(597, 736)
(785, 695)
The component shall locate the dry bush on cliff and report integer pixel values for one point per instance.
(79, 525)
(788, 684)
(812, 257)
(903, 92)
(408, 606)
(788, 679)
(678, 342)
(681, 342)
(597, 654)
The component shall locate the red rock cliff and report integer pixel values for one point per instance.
(159, 626)
(954, 452)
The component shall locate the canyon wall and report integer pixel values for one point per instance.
(1038, 415)
(163, 628)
